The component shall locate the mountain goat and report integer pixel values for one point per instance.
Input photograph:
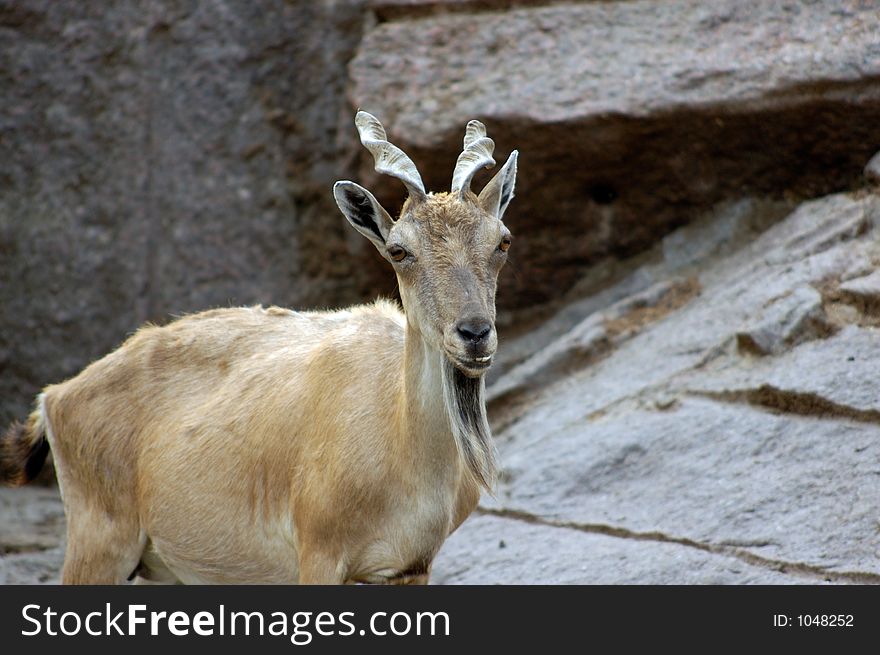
(253, 445)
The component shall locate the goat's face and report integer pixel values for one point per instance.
(446, 248)
(447, 253)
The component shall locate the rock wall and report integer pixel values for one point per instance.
(163, 157)
(633, 117)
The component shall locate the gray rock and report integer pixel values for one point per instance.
(831, 376)
(159, 158)
(31, 535)
(722, 229)
(678, 432)
(786, 320)
(863, 293)
(754, 285)
(872, 169)
(594, 337)
(867, 286)
(557, 64)
(632, 117)
(492, 550)
(40, 567)
(725, 228)
(712, 472)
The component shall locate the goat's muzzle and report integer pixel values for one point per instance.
(473, 345)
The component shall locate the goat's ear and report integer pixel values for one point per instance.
(498, 193)
(364, 212)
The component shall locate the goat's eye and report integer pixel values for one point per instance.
(505, 244)
(396, 253)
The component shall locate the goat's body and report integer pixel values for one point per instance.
(234, 445)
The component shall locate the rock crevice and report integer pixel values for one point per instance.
(726, 549)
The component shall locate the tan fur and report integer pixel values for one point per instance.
(253, 445)
(211, 438)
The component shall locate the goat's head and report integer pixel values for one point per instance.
(446, 248)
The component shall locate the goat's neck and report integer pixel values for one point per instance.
(444, 414)
(423, 408)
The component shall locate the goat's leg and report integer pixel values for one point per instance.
(420, 579)
(316, 567)
(100, 549)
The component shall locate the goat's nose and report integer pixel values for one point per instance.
(474, 329)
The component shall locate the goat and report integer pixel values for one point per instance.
(252, 445)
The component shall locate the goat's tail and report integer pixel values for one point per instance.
(24, 447)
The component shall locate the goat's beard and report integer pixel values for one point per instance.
(465, 404)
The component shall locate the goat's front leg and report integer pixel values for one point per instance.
(412, 580)
(317, 567)
(413, 577)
